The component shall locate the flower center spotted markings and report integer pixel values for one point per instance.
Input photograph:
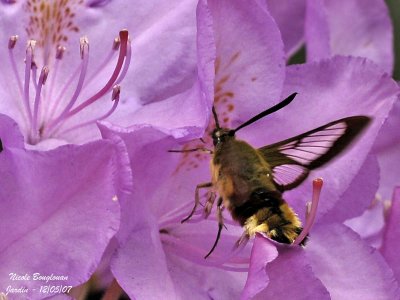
(224, 99)
(50, 22)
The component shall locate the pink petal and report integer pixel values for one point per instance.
(358, 196)
(140, 266)
(388, 151)
(221, 276)
(250, 59)
(389, 170)
(10, 134)
(146, 145)
(186, 110)
(59, 207)
(370, 224)
(152, 26)
(348, 267)
(262, 253)
(134, 265)
(193, 239)
(290, 17)
(206, 50)
(152, 164)
(317, 30)
(389, 135)
(193, 281)
(291, 277)
(350, 27)
(192, 107)
(391, 236)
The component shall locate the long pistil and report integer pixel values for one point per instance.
(312, 213)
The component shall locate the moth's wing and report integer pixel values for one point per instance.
(291, 160)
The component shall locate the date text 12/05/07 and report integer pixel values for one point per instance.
(55, 289)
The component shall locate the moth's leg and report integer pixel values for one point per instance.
(209, 204)
(192, 150)
(220, 209)
(220, 226)
(242, 241)
(197, 198)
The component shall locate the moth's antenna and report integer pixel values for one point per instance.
(271, 110)
(215, 118)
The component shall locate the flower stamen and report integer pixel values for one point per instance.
(312, 212)
(84, 51)
(59, 56)
(67, 113)
(42, 80)
(115, 98)
(11, 45)
(28, 66)
(113, 78)
(46, 116)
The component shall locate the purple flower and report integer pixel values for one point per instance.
(328, 28)
(60, 207)
(66, 106)
(355, 27)
(290, 17)
(158, 255)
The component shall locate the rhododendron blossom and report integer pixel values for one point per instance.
(63, 71)
(94, 96)
(248, 77)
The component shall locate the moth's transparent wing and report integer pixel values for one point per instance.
(291, 160)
